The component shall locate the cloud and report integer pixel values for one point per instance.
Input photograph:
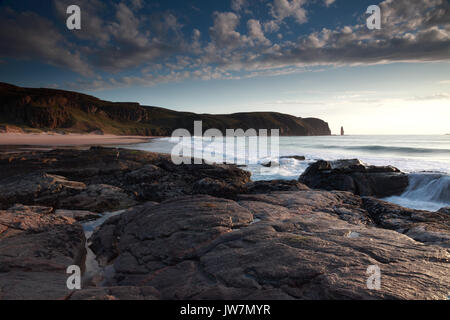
(329, 2)
(436, 96)
(94, 28)
(271, 26)
(238, 5)
(409, 34)
(27, 35)
(126, 39)
(121, 37)
(255, 32)
(223, 32)
(282, 9)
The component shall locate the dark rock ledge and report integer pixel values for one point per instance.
(355, 176)
(245, 240)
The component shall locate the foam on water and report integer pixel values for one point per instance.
(427, 191)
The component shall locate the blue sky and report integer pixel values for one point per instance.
(310, 58)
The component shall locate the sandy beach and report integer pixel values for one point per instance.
(66, 140)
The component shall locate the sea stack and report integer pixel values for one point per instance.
(342, 131)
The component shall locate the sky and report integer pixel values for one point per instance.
(308, 58)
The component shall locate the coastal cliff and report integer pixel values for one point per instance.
(40, 109)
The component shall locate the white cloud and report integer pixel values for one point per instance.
(121, 38)
(238, 5)
(255, 31)
(282, 9)
(223, 32)
(271, 26)
(329, 2)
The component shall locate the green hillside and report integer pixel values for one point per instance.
(40, 109)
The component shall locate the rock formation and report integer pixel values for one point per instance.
(355, 176)
(208, 232)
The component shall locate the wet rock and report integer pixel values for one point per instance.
(355, 176)
(116, 293)
(283, 245)
(265, 240)
(36, 247)
(270, 164)
(274, 185)
(298, 158)
(145, 174)
(424, 226)
(78, 215)
(217, 187)
(140, 176)
(99, 198)
(56, 191)
(36, 188)
(10, 129)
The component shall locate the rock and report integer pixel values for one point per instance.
(116, 293)
(10, 129)
(424, 226)
(270, 164)
(36, 247)
(78, 215)
(355, 176)
(99, 198)
(139, 176)
(274, 185)
(298, 158)
(281, 245)
(445, 210)
(56, 191)
(97, 132)
(217, 187)
(147, 173)
(265, 240)
(36, 188)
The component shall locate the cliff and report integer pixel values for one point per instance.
(49, 109)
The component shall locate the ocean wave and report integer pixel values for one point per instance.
(430, 191)
(388, 149)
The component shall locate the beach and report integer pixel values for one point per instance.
(33, 141)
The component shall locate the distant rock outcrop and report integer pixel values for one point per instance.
(46, 109)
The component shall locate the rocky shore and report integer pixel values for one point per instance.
(209, 232)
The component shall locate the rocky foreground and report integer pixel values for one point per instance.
(209, 232)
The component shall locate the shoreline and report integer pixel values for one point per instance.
(13, 142)
(229, 220)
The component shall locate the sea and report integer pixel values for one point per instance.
(426, 158)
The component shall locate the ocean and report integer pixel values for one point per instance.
(425, 157)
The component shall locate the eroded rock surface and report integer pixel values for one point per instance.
(36, 247)
(423, 226)
(282, 245)
(355, 176)
(106, 179)
(208, 232)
